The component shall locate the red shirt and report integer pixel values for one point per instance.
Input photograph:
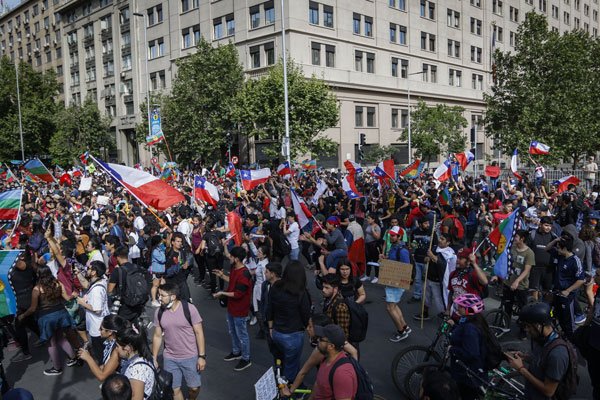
(464, 281)
(345, 383)
(240, 283)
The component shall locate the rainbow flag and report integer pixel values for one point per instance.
(7, 174)
(10, 201)
(39, 170)
(8, 301)
(309, 164)
(413, 170)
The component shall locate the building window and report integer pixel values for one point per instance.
(157, 80)
(230, 25)
(255, 56)
(429, 73)
(453, 18)
(358, 116)
(427, 41)
(555, 12)
(566, 18)
(126, 62)
(476, 54)
(109, 69)
(399, 118)
(393, 33)
(269, 13)
(330, 56)
(542, 5)
(399, 4)
(90, 74)
(454, 77)
(371, 120)
(371, 63)
(156, 48)
(254, 17)
(356, 23)
(399, 67)
(514, 14)
(270, 52)
(358, 57)
(368, 26)
(512, 39)
(453, 48)
(155, 15)
(477, 82)
(398, 34)
(427, 9)
(316, 53)
(124, 16)
(217, 28)
(497, 7)
(313, 13)
(475, 26)
(328, 16)
(476, 3)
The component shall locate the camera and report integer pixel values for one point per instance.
(116, 305)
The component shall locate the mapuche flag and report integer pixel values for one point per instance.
(9, 205)
(39, 170)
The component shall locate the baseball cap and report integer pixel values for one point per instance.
(332, 332)
(395, 230)
(335, 221)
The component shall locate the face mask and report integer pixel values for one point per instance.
(168, 305)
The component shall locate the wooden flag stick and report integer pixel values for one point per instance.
(427, 270)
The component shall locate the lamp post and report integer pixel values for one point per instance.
(285, 88)
(137, 14)
(19, 110)
(409, 127)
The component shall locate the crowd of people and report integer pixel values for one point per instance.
(93, 263)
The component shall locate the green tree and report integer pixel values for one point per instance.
(199, 110)
(436, 130)
(548, 90)
(375, 153)
(79, 129)
(312, 109)
(38, 106)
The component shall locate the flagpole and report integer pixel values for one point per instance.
(19, 109)
(285, 87)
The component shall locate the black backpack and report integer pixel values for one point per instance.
(186, 313)
(567, 387)
(136, 285)
(493, 351)
(359, 320)
(283, 245)
(364, 390)
(213, 245)
(163, 382)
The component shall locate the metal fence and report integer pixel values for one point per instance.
(550, 175)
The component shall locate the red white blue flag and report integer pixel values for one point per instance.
(349, 187)
(205, 191)
(254, 177)
(536, 147)
(352, 167)
(284, 170)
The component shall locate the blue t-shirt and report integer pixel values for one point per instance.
(568, 271)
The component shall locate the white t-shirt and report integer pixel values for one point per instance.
(138, 223)
(293, 235)
(185, 228)
(96, 297)
(140, 371)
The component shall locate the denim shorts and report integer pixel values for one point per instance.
(185, 368)
(393, 294)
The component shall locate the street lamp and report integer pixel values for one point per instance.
(409, 130)
(137, 14)
(287, 143)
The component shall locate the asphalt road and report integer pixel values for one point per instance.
(221, 382)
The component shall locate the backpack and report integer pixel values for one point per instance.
(567, 387)
(186, 313)
(364, 390)
(136, 286)
(493, 351)
(283, 245)
(359, 320)
(163, 382)
(457, 230)
(213, 244)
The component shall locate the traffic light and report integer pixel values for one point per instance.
(362, 140)
(229, 139)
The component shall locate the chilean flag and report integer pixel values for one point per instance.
(284, 170)
(352, 167)
(254, 177)
(565, 181)
(514, 165)
(536, 147)
(230, 172)
(148, 189)
(442, 172)
(301, 209)
(84, 157)
(349, 187)
(464, 159)
(205, 191)
(385, 169)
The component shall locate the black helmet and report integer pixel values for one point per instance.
(536, 313)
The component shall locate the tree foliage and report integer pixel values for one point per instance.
(78, 129)
(436, 130)
(375, 153)
(312, 109)
(199, 109)
(38, 92)
(548, 90)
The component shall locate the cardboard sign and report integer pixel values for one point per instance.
(86, 184)
(266, 387)
(395, 274)
(102, 200)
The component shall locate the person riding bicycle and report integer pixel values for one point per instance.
(467, 345)
(468, 277)
(549, 363)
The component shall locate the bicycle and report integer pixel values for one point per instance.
(412, 355)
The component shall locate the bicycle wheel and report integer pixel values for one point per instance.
(498, 321)
(408, 358)
(413, 379)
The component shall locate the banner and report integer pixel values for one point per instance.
(156, 133)
(8, 302)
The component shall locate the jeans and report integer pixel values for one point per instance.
(290, 344)
(563, 307)
(294, 254)
(240, 341)
(333, 257)
(418, 286)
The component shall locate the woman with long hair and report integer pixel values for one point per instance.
(158, 260)
(55, 324)
(111, 325)
(288, 313)
(350, 287)
(137, 363)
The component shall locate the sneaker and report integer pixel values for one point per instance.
(399, 336)
(155, 303)
(242, 365)
(21, 357)
(71, 362)
(232, 357)
(419, 317)
(53, 372)
(375, 280)
(407, 330)
(253, 321)
(580, 319)
(365, 279)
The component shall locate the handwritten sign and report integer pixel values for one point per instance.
(266, 386)
(395, 274)
(86, 184)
